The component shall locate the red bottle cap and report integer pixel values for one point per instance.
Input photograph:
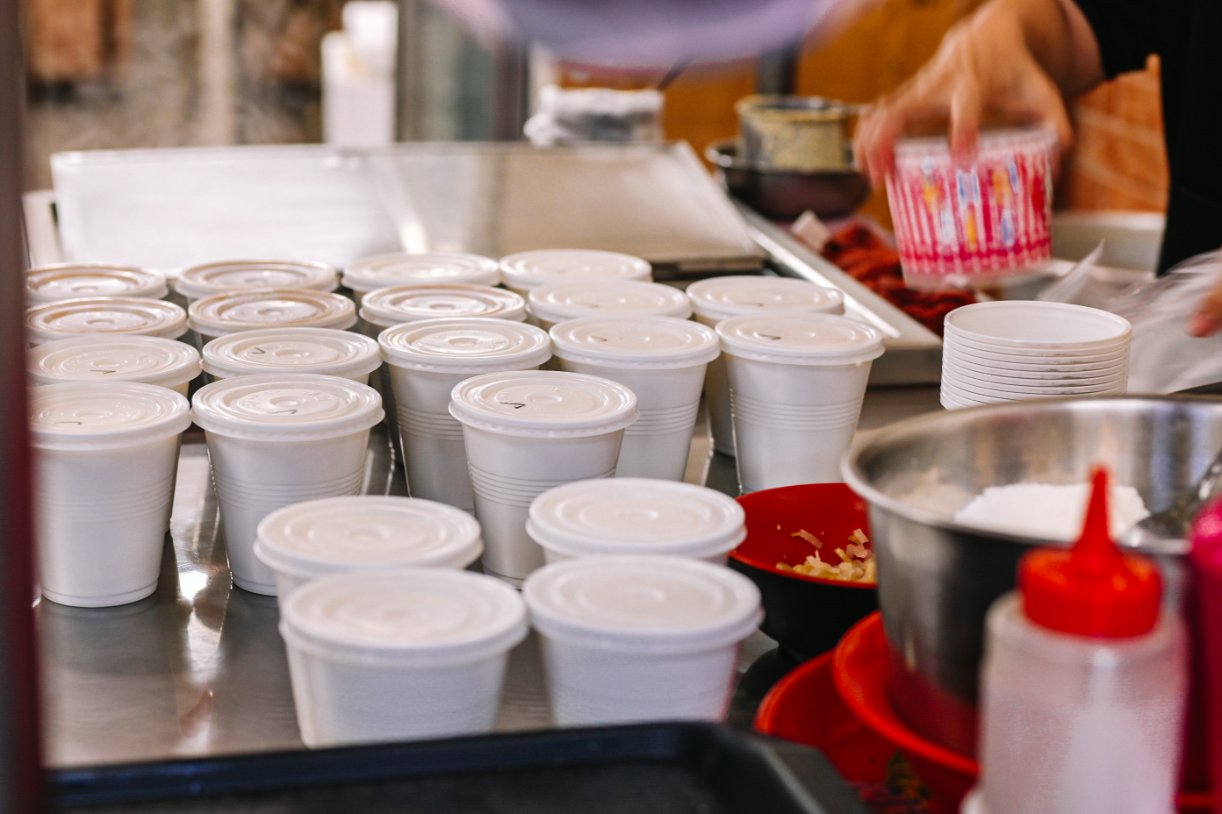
(1092, 589)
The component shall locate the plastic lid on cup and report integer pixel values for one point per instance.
(361, 532)
(636, 516)
(225, 276)
(544, 403)
(658, 604)
(146, 359)
(1039, 325)
(382, 270)
(222, 314)
(69, 281)
(475, 345)
(717, 298)
(326, 351)
(800, 339)
(89, 415)
(397, 304)
(105, 315)
(525, 270)
(286, 407)
(637, 342)
(569, 299)
(419, 617)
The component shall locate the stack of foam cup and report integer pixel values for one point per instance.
(231, 276)
(334, 535)
(399, 655)
(645, 638)
(1015, 350)
(107, 457)
(663, 361)
(525, 270)
(326, 351)
(115, 358)
(528, 432)
(431, 268)
(224, 314)
(635, 516)
(797, 382)
(568, 299)
(425, 361)
(718, 298)
(70, 281)
(278, 439)
(93, 316)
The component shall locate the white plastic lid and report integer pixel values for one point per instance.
(526, 270)
(568, 299)
(362, 532)
(475, 345)
(383, 270)
(640, 342)
(88, 415)
(223, 314)
(69, 281)
(656, 604)
(636, 516)
(247, 275)
(125, 358)
(105, 315)
(286, 406)
(397, 304)
(544, 402)
(800, 339)
(716, 298)
(421, 616)
(327, 351)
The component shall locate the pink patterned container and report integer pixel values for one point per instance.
(956, 226)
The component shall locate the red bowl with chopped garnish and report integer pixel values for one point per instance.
(806, 615)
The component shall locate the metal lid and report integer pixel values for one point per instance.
(327, 351)
(383, 270)
(636, 516)
(397, 304)
(655, 604)
(635, 341)
(286, 406)
(68, 281)
(719, 297)
(223, 314)
(800, 339)
(568, 299)
(526, 270)
(543, 402)
(246, 275)
(105, 315)
(104, 414)
(119, 357)
(477, 345)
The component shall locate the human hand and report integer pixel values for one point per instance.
(1207, 319)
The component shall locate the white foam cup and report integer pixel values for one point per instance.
(114, 358)
(333, 535)
(93, 316)
(796, 387)
(224, 314)
(527, 432)
(718, 298)
(663, 361)
(107, 455)
(635, 516)
(399, 655)
(69, 281)
(523, 271)
(326, 351)
(425, 361)
(568, 299)
(628, 639)
(278, 439)
(381, 270)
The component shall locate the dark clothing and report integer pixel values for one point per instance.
(1187, 36)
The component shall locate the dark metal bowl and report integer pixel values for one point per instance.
(786, 194)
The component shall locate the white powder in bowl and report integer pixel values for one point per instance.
(1049, 511)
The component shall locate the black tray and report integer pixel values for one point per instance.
(679, 767)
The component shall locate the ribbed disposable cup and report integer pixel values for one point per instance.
(115, 358)
(660, 359)
(528, 432)
(399, 655)
(326, 351)
(229, 276)
(630, 639)
(224, 314)
(70, 281)
(568, 299)
(432, 268)
(107, 459)
(278, 439)
(525, 270)
(93, 316)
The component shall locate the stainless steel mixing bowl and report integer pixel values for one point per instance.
(937, 578)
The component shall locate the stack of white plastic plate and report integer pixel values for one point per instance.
(1015, 350)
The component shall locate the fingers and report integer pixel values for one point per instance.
(1208, 318)
(965, 114)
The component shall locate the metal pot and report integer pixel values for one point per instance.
(803, 133)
